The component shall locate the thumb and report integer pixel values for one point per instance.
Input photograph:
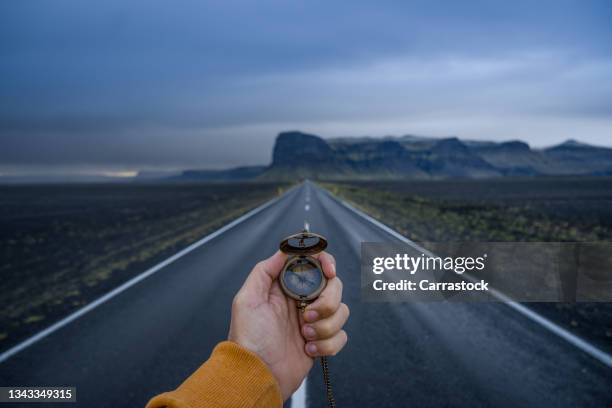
(259, 281)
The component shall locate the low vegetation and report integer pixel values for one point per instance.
(64, 245)
(527, 209)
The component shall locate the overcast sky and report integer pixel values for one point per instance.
(119, 85)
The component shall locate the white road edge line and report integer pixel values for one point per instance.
(298, 399)
(89, 307)
(571, 338)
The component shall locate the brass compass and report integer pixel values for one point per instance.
(302, 279)
(302, 276)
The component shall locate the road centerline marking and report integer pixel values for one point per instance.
(298, 399)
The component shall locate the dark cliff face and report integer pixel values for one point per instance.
(300, 149)
(310, 156)
(299, 155)
(376, 159)
(578, 158)
(514, 146)
(452, 158)
(572, 145)
(450, 147)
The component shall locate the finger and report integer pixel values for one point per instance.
(327, 303)
(327, 328)
(263, 274)
(295, 318)
(272, 266)
(328, 263)
(327, 347)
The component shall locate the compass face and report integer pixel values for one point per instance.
(303, 242)
(302, 277)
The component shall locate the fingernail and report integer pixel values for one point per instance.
(333, 268)
(309, 332)
(311, 349)
(311, 315)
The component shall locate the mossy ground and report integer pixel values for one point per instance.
(537, 209)
(64, 245)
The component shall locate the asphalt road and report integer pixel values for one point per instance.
(150, 337)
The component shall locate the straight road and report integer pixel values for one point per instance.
(148, 338)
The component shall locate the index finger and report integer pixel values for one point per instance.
(328, 263)
(263, 274)
(327, 303)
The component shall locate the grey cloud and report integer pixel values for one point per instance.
(208, 84)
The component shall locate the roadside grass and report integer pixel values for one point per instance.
(64, 245)
(445, 220)
(536, 210)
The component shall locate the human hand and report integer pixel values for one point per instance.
(268, 323)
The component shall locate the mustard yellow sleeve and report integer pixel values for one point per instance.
(232, 377)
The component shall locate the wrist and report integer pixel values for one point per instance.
(230, 366)
(255, 350)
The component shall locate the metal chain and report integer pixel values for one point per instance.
(331, 403)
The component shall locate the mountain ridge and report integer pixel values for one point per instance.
(302, 155)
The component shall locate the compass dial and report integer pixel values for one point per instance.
(302, 277)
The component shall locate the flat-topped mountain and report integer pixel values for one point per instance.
(301, 155)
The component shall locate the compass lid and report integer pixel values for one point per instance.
(304, 243)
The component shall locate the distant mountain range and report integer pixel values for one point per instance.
(301, 155)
